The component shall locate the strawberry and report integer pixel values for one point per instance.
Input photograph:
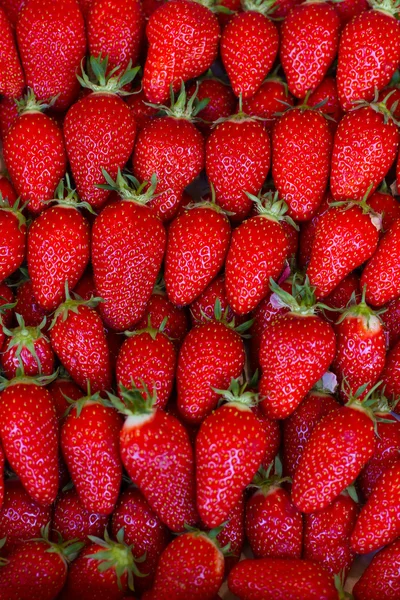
(115, 29)
(387, 206)
(283, 7)
(233, 533)
(172, 148)
(296, 349)
(273, 435)
(156, 451)
(99, 131)
(391, 321)
(301, 178)
(72, 521)
(192, 565)
(221, 100)
(34, 154)
(381, 275)
(270, 98)
(392, 95)
(6, 188)
(52, 43)
(271, 578)
(61, 389)
(8, 115)
(274, 526)
(379, 520)
(85, 6)
(7, 305)
(325, 470)
(128, 234)
(28, 431)
(198, 241)
(345, 237)
(364, 149)
(142, 111)
(12, 8)
(347, 292)
(11, 76)
(77, 337)
(258, 251)
(307, 232)
(371, 34)
(202, 310)
(86, 287)
(37, 570)
(21, 518)
(28, 307)
(381, 577)
(148, 357)
(309, 44)
(183, 41)
(210, 357)
(249, 46)
(348, 9)
(238, 156)
(144, 530)
(236, 442)
(391, 374)
(13, 236)
(327, 534)
(325, 96)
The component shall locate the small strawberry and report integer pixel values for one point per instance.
(387, 206)
(381, 577)
(270, 98)
(11, 76)
(28, 307)
(202, 310)
(221, 100)
(12, 237)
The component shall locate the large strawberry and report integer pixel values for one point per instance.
(381, 577)
(34, 154)
(310, 40)
(52, 43)
(183, 40)
(73, 521)
(11, 76)
(128, 236)
(230, 447)
(99, 131)
(12, 237)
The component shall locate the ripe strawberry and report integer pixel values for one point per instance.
(392, 95)
(325, 95)
(274, 526)
(387, 206)
(391, 321)
(325, 470)
(99, 131)
(61, 389)
(249, 46)
(258, 251)
(128, 234)
(144, 530)
(202, 310)
(37, 570)
(370, 34)
(233, 534)
(296, 349)
(348, 9)
(72, 521)
(271, 578)
(12, 8)
(364, 149)
(142, 111)
(345, 237)
(78, 338)
(236, 442)
(221, 100)
(348, 291)
(301, 178)
(28, 307)
(86, 287)
(283, 7)
(172, 149)
(115, 29)
(7, 305)
(307, 232)
(273, 435)
(160, 309)
(34, 154)
(148, 357)
(12, 237)
(238, 156)
(391, 374)
(156, 451)
(381, 577)
(270, 98)
(174, 54)
(8, 115)
(305, 58)
(210, 357)
(6, 188)
(327, 534)
(11, 76)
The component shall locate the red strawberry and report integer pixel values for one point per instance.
(28, 307)
(21, 518)
(142, 111)
(381, 577)
(144, 530)
(364, 149)
(2, 461)
(391, 321)
(28, 430)
(34, 154)
(85, 6)
(274, 526)
(238, 156)
(115, 29)
(273, 435)
(86, 287)
(307, 232)
(309, 44)
(11, 76)
(258, 251)
(347, 291)
(202, 310)
(339, 447)
(325, 95)
(348, 9)
(12, 8)
(99, 132)
(128, 234)
(345, 237)
(387, 206)
(270, 98)
(8, 115)
(391, 374)
(230, 447)
(233, 534)
(6, 188)
(156, 451)
(249, 46)
(271, 578)
(327, 534)
(172, 149)
(37, 570)
(63, 387)
(296, 350)
(13, 236)
(369, 53)
(221, 101)
(148, 358)
(183, 42)
(73, 522)
(78, 338)
(392, 96)
(7, 305)
(301, 178)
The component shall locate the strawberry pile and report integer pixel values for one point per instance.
(199, 299)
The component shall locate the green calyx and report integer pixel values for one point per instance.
(264, 7)
(16, 209)
(23, 337)
(222, 317)
(117, 555)
(67, 550)
(363, 205)
(373, 404)
(212, 535)
(267, 479)
(389, 7)
(379, 106)
(21, 378)
(152, 331)
(214, 6)
(370, 317)
(302, 299)
(180, 107)
(339, 581)
(269, 205)
(66, 196)
(78, 405)
(134, 401)
(129, 188)
(238, 393)
(71, 305)
(29, 103)
(104, 81)
(211, 203)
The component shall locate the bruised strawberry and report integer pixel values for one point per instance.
(72, 521)
(270, 98)
(11, 76)
(12, 237)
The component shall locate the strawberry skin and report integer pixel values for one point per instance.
(28, 307)
(73, 521)
(350, 8)
(391, 321)
(160, 307)
(391, 374)
(326, 92)
(28, 348)
(11, 76)
(233, 533)
(12, 8)
(202, 310)
(221, 101)
(381, 577)
(268, 100)
(273, 435)
(12, 238)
